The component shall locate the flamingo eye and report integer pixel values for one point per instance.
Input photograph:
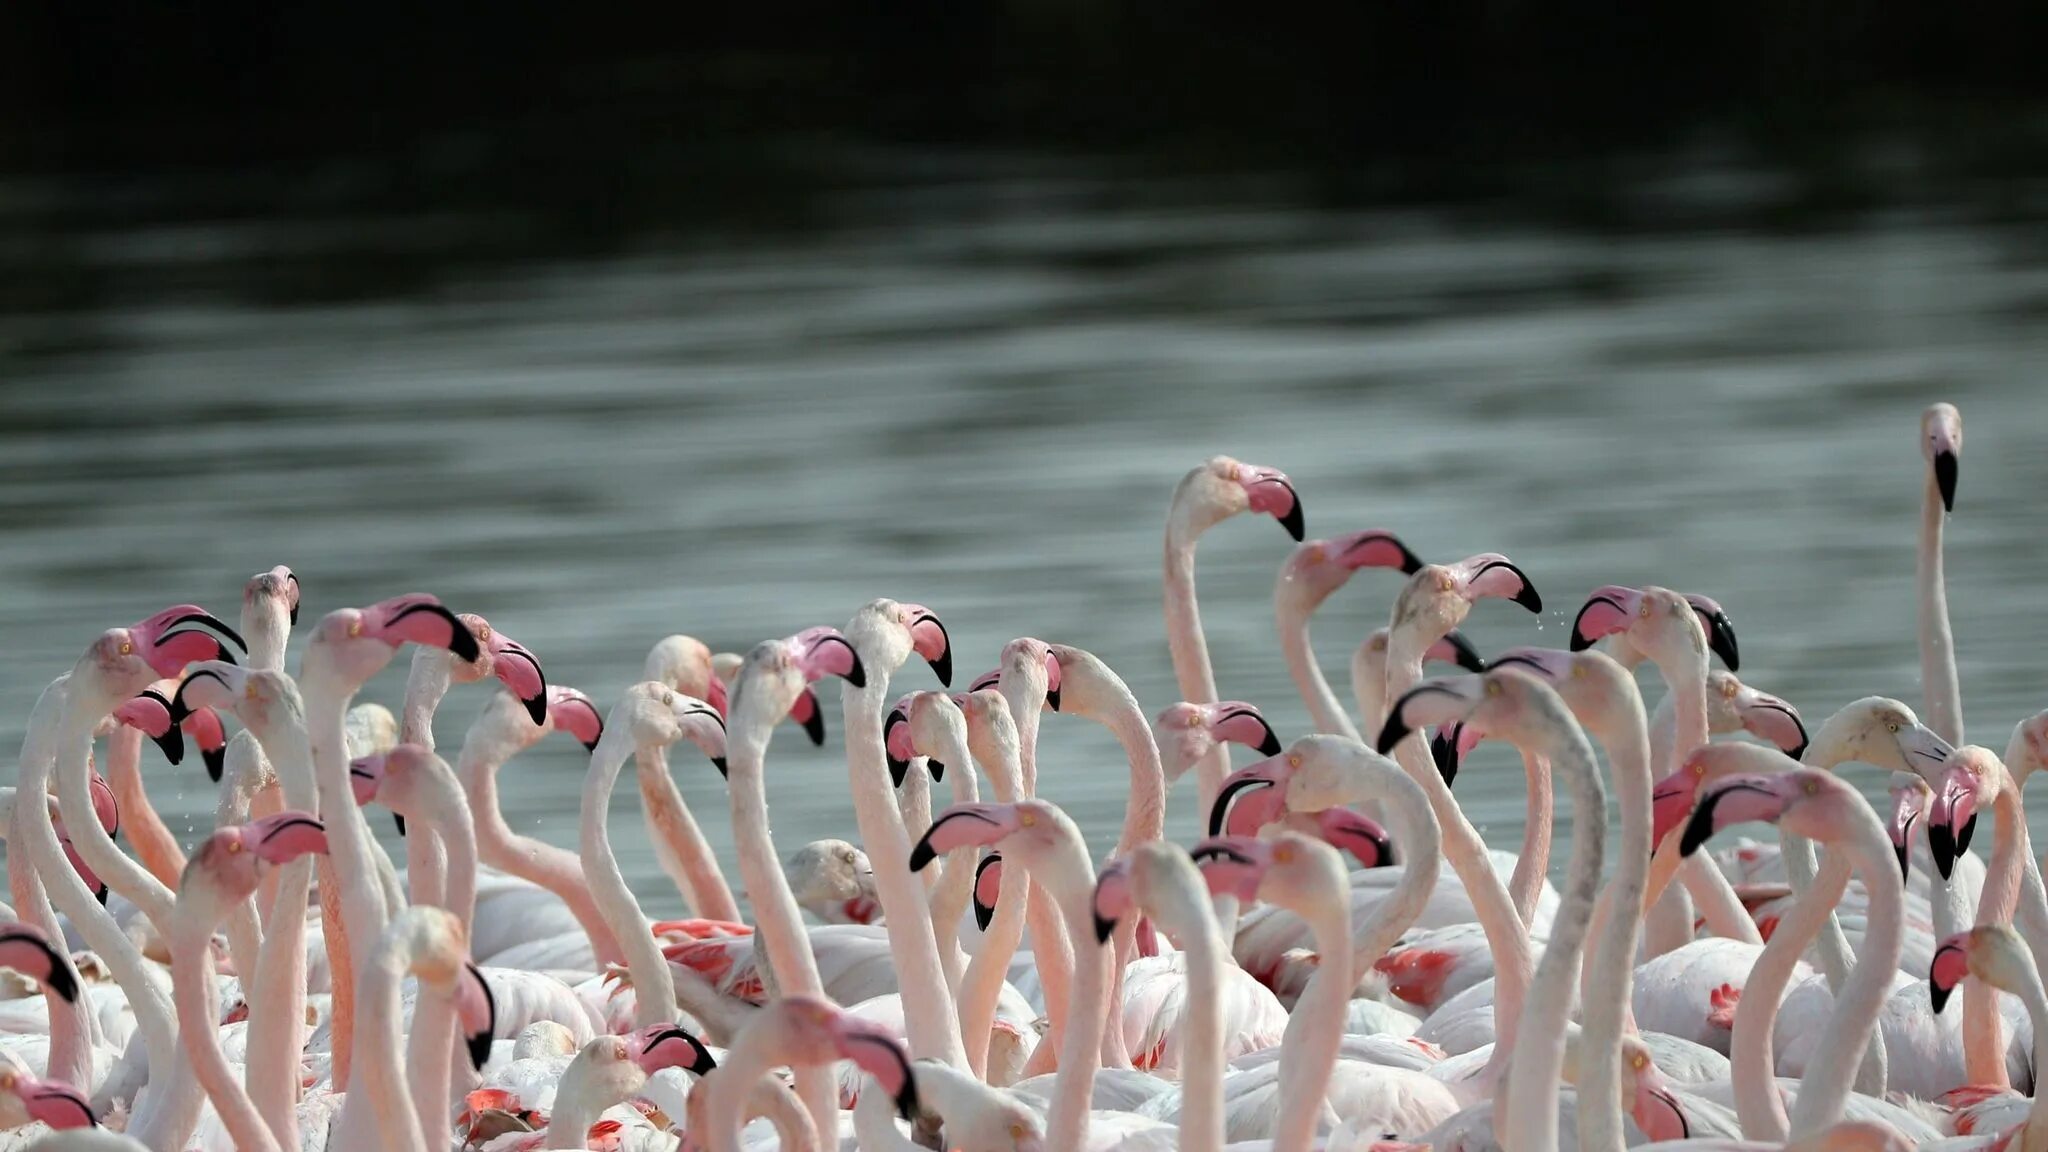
(1639, 1061)
(1893, 725)
(1294, 761)
(355, 628)
(1028, 819)
(1643, 610)
(1194, 720)
(1493, 687)
(127, 647)
(250, 690)
(668, 698)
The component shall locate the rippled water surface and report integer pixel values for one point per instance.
(975, 388)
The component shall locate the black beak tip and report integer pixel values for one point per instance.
(937, 768)
(1963, 836)
(1905, 863)
(1444, 752)
(461, 641)
(399, 821)
(1385, 848)
(1946, 467)
(1052, 699)
(1103, 929)
(942, 667)
(479, 1050)
(1410, 562)
(814, 727)
(857, 675)
(537, 708)
(983, 914)
(898, 770)
(717, 762)
(1391, 734)
(1942, 843)
(171, 744)
(100, 894)
(1798, 753)
(1466, 656)
(906, 1100)
(1721, 638)
(1528, 597)
(1937, 997)
(922, 854)
(591, 746)
(216, 763)
(1293, 522)
(1270, 744)
(1697, 830)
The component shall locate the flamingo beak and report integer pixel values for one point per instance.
(1946, 465)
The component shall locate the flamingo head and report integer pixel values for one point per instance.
(1654, 1106)
(575, 713)
(667, 1046)
(818, 1026)
(651, 713)
(356, 643)
(1253, 796)
(1884, 733)
(54, 1103)
(232, 857)
(1941, 443)
(1320, 567)
(1993, 953)
(1115, 897)
(1733, 704)
(833, 879)
(777, 674)
(1028, 672)
(512, 663)
(1438, 597)
(1221, 487)
(1187, 732)
(1655, 622)
(24, 948)
(991, 730)
(1673, 799)
(1233, 865)
(1805, 801)
(1506, 703)
(130, 659)
(914, 714)
(1970, 782)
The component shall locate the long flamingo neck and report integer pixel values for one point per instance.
(1757, 1103)
(1861, 1001)
(152, 842)
(1066, 875)
(1324, 709)
(1145, 816)
(1369, 685)
(982, 984)
(2034, 1134)
(1940, 686)
(1686, 681)
(382, 1093)
(679, 842)
(1466, 850)
(581, 1097)
(1410, 811)
(426, 682)
(753, 1055)
(654, 989)
(778, 922)
(1983, 1030)
(81, 821)
(1189, 647)
(1315, 1029)
(1525, 886)
(1605, 997)
(930, 1018)
(531, 860)
(1539, 1057)
(198, 1003)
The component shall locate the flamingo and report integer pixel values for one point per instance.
(1941, 444)
(800, 1032)
(610, 1069)
(1996, 956)
(26, 1098)
(1209, 494)
(1308, 577)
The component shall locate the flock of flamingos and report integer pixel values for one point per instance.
(1335, 959)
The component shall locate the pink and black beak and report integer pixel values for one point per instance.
(1241, 723)
(1232, 865)
(25, 950)
(1262, 785)
(928, 639)
(1719, 629)
(896, 745)
(988, 883)
(574, 713)
(1269, 491)
(421, 619)
(1364, 838)
(1906, 809)
(1457, 650)
(1374, 548)
(960, 826)
(1490, 574)
(477, 1012)
(1951, 818)
(292, 578)
(1951, 965)
(827, 652)
(519, 669)
(1734, 801)
(1442, 701)
(184, 634)
(1604, 613)
(667, 1046)
(285, 837)
(150, 714)
(1113, 899)
(364, 777)
(58, 1105)
(882, 1057)
(1052, 682)
(807, 713)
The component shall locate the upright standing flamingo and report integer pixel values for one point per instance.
(1208, 495)
(1995, 955)
(1941, 445)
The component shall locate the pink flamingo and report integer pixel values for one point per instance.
(1941, 444)
(611, 1069)
(1309, 576)
(800, 1032)
(26, 1098)
(347, 647)
(1995, 956)
(1209, 494)
(502, 731)
(222, 876)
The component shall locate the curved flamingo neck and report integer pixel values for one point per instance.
(1532, 866)
(778, 922)
(1466, 850)
(72, 1030)
(1189, 647)
(444, 812)
(1983, 1030)
(1942, 690)
(1532, 1097)
(586, 1089)
(2034, 1133)
(1064, 871)
(1826, 1089)
(1369, 684)
(151, 840)
(1751, 1043)
(382, 1093)
(426, 683)
(680, 844)
(277, 991)
(654, 990)
(534, 861)
(1324, 709)
(198, 1003)
(930, 1019)
(1610, 972)
(1315, 1029)
(755, 1052)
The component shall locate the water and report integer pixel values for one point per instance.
(974, 385)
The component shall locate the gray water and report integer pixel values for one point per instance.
(974, 386)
